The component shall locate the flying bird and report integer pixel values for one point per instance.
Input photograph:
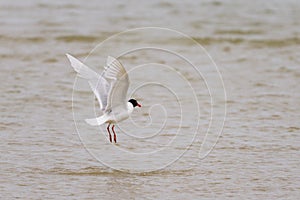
(110, 88)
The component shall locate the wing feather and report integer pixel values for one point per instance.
(110, 88)
(119, 83)
(100, 86)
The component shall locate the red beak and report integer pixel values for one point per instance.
(139, 105)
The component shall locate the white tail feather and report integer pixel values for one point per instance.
(96, 121)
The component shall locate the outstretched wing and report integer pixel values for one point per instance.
(99, 85)
(116, 74)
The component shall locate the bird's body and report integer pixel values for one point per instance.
(110, 89)
(112, 117)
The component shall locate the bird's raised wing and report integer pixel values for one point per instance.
(117, 76)
(99, 85)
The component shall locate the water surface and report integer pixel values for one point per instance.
(256, 46)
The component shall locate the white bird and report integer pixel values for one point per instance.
(110, 89)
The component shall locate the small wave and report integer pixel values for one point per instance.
(166, 172)
(101, 170)
(260, 85)
(164, 5)
(51, 6)
(77, 38)
(275, 42)
(85, 38)
(8, 125)
(217, 40)
(239, 32)
(87, 171)
(50, 60)
(252, 42)
(33, 39)
(293, 129)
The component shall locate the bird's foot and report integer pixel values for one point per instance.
(115, 136)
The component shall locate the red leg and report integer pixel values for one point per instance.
(115, 136)
(109, 132)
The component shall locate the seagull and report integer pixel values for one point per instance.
(110, 89)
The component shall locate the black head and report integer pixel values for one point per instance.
(134, 103)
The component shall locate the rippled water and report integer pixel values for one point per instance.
(256, 47)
